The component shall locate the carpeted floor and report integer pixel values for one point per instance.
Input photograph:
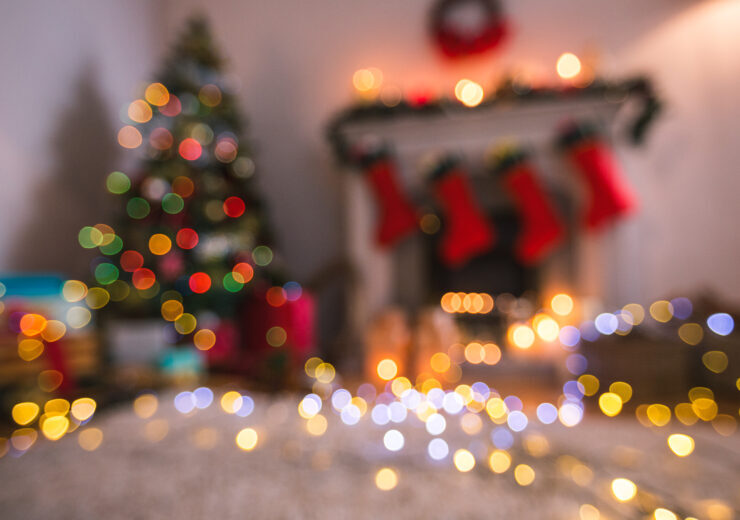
(196, 471)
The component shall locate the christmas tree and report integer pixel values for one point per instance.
(192, 239)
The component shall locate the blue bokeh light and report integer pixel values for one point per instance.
(721, 323)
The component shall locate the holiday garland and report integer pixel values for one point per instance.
(640, 89)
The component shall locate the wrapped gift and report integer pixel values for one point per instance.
(65, 359)
(278, 334)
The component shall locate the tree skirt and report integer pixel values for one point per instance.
(189, 466)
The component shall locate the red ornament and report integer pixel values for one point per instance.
(190, 149)
(199, 282)
(187, 238)
(234, 207)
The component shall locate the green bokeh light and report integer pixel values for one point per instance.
(137, 208)
(262, 255)
(113, 247)
(89, 237)
(172, 203)
(230, 284)
(118, 183)
(106, 273)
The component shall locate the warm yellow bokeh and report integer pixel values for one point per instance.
(246, 439)
(387, 369)
(568, 65)
(25, 413)
(561, 304)
(146, 405)
(610, 404)
(664, 514)
(160, 244)
(440, 362)
(90, 439)
(157, 94)
(386, 479)
(83, 408)
(659, 414)
(499, 461)
(623, 489)
(589, 384)
(680, 444)
(316, 425)
(55, 427)
(524, 474)
(521, 336)
(231, 401)
(204, 339)
(464, 460)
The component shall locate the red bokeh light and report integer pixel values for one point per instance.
(143, 278)
(187, 238)
(161, 138)
(131, 261)
(276, 296)
(243, 272)
(234, 207)
(420, 96)
(190, 149)
(199, 282)
(172, 108)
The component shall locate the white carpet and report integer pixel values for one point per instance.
(197, 471)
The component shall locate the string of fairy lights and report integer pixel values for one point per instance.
(430, 399)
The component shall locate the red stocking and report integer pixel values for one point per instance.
(397, 215)
(541, 228)
(609, 194)
(467, 231)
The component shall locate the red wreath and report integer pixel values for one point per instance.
(455, 43)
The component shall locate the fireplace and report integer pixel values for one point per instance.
(410, 275)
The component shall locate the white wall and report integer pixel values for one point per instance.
(690, 183)
(66, 68)
(295, 60)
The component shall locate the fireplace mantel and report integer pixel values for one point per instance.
(593, 267)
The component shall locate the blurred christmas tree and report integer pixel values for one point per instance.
(193, 239)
